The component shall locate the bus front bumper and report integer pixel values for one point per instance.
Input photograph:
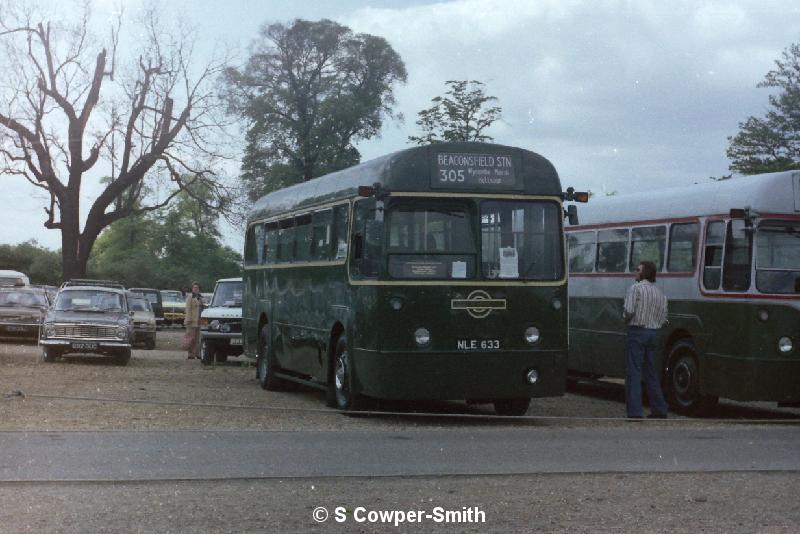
(459, 375)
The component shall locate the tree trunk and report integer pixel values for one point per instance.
(72, 261)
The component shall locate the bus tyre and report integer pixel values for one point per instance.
(514, 407)
(123, 357)
(207, 353)
(346, 398)
(682, 381)
(49, 354)
(265, 364)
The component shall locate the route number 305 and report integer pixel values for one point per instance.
(451, 175)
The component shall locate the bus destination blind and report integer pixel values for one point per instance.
(471, 171)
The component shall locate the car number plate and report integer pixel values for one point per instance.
(478, 344)
(236, 341)
(84, 346)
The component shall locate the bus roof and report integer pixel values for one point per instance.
(765, 193)
(412, 170)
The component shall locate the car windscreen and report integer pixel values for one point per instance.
(227, 294)
(20, 298)
(138, 304)
(88, 300)
(778, 257)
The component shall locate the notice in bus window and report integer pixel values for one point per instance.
(459, 269)
(509, 263)
(470, 171)
(423, 269)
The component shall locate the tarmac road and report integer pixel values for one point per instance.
(182, 455)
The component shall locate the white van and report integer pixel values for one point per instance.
(13, 279)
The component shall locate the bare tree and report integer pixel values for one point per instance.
(71, 113)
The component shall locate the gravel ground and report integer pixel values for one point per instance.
(161, 389)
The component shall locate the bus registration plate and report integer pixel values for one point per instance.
(478, 344)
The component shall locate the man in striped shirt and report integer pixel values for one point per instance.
(645, 311)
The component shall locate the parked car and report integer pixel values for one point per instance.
(221, 323)
(88, 318)
(144, 320)
(154, 297)
(174, 306)
(13, 279)
(21, 312)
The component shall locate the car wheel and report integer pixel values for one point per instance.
(207, 352)
(123, 357)
(265, 362)
(682, 381)
(49, 354)
(515, 407)
(343, 378)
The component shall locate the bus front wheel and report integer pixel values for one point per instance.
(346, 397)
(683, 381)
(265, 364)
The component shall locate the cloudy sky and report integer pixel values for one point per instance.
(619, 95)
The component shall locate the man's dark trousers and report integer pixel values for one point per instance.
(640, 354)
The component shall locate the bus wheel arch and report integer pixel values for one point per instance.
(682, 379)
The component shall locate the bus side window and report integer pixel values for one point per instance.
(286, 240)
(648, 244)
(365, 259)
(340, 230)
(715, 245)
(738, 256)
(271, 243)
(302, 237)
(581, 251)
(612, 250)
(682, 256)
(321, 235)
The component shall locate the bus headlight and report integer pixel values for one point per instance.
(422, 336)
(785, 345)
(532, 335)
(532, 376)
(763, 315)
(214, 325)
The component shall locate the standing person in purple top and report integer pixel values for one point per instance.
(645, 312)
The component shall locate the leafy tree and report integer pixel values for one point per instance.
(772, 143)
(462, 115)
(43, 266)
(167, 249)
(70, 107)
(309, 91)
